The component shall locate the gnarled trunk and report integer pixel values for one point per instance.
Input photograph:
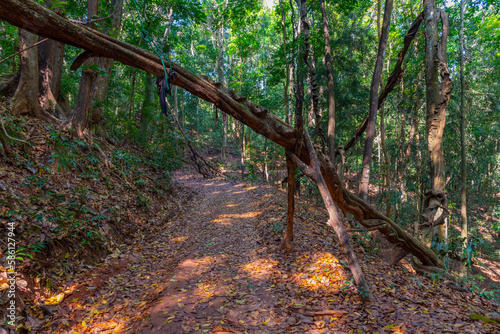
(437, 95)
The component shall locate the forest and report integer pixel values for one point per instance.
(249, 166)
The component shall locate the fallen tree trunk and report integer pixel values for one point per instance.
(41, 21)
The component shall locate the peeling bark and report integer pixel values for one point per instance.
(437, 94)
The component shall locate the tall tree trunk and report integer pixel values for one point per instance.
(220, 79)
(386, 164)
(131, 102)
(83, 101)
(315, 99)
(302, 61)
(26, 95)
(299, 121)
(331, 87)
(372, 118)
(291, 168)
(50, 66)
(148, 98)
(243, 145)
(437, 97)
(463, 118)
(288, 115)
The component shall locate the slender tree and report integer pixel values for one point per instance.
(331, 87)
(463, 119)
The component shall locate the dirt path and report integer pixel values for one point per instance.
(219, 240)
(216, 268)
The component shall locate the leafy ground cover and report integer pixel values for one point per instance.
(111, 243)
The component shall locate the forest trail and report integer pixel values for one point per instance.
(215, 267)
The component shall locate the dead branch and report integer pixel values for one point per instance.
(18, 52)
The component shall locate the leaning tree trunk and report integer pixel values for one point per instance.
(393, 80)
(374, 102)
(313, 171)
(35, 18)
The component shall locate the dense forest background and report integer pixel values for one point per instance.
(108, 115)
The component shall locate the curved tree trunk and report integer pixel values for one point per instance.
(313, 171)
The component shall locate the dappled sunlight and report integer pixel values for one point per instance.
(324, 272)
(205, 291)
(228, 219)
(178, 239)
(260, 267)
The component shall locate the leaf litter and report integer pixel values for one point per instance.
(215, 267)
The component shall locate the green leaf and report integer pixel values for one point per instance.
(483, 318)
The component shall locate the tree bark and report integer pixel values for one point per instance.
(291, 168)
(288, 115)
(374, 102)
(220, 75)
(394, 78)
(437, 95)
(36, 18)
(463, 124)
(299, 121)
(25, 100)
(315, 99)
(331, 87)
(101, 83)
(81, 111)
(50, 66)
